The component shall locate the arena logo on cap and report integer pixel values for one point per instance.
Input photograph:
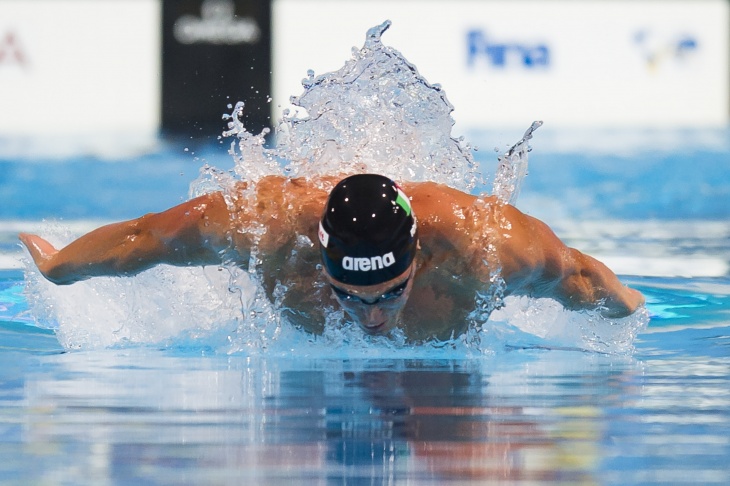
(367, 264)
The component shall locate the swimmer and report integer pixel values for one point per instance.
(416, 261)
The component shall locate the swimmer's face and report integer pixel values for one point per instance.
(375, 307)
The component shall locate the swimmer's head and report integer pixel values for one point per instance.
(367, 233)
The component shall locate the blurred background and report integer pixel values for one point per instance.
(108, 108)
(140, 67)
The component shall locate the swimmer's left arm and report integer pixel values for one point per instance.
(536, 263)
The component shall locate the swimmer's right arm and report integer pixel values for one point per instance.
(190, 234)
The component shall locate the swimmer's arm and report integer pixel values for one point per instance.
(192, 233)
(536, 263)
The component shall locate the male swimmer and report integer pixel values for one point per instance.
(358, 246)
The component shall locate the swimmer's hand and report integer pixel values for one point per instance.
(628, 301)
(42, 253)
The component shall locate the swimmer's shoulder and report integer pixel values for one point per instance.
(434, 199)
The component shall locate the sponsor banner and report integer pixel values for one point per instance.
(79, 67)
(506, 63)
(216, 53)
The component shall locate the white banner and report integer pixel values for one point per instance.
(615, 63)
(79, 66)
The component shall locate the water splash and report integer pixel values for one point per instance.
(544, 323)
(158, 307)
(376, 114)
(222, 310)
(512, 168)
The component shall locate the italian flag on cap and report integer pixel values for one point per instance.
(402, 201)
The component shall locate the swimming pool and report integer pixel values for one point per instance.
(183, 412)
(184, 376)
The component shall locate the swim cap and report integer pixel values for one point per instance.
(367, 233)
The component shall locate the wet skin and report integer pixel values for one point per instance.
(464, 241)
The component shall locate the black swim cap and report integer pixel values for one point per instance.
(367, 234)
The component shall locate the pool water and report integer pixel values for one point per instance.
(183, 412)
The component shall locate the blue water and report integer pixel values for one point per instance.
(185, 413)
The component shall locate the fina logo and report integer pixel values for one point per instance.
(367, 264)
(217, 24)
(502, 54)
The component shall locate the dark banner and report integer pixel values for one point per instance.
(215, 53)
